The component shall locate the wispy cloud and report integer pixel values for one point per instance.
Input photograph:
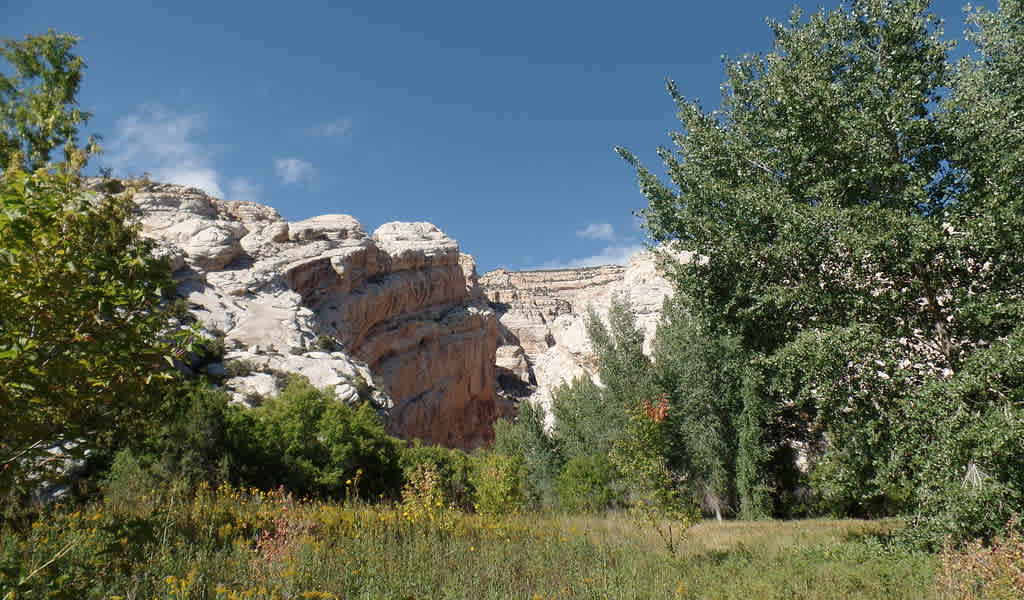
(610, 255)
(159, 142)
(240, 188)
(597, 231)
(337, 128)
(293, 170)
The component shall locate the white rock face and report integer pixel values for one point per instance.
(401, 310)
(541, 316)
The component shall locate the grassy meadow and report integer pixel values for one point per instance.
(230, 543)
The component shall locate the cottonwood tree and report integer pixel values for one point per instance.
(862, 232)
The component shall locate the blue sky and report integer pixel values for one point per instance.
(494, 121)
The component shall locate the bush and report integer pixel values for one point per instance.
(314, 444)
(585, 483)
(498, 481)
(452, 467)
(185, 444)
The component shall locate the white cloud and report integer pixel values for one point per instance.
(597, 231)
(190, 175)
(610, 255)
(293, 170)
(240, 188)
(161, 143)
(337, 128)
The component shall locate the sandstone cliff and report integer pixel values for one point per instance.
(324, 299)
(541, 319)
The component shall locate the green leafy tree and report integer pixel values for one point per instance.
(984, 119)
(38, 107)
(810, 192)
(625, 371)
(84, 327)
(702, 375)
(82, 331)
(855, 213)
(968, 481)
(529, 441)
(586, 421)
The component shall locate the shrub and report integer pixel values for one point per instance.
(452, 467)
(313, 444)
(527, 440)
(498, 480)
(585, 483)
(184, 445)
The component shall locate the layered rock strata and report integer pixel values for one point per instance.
(542, 319)
(400, 309)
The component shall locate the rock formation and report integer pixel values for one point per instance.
(541, 319)
(400, 309)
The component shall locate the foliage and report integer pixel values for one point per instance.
(624, 369)
(970, 482)
(586, 484)
(528, 440)
(184, 444)
(38, 110)
(498, 480)
(640, 455)
(703, 376)
(854, 217)
(451, 465)
(314, 444)
(587, 422)
(83, 323)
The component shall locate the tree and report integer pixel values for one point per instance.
(83, 321)
(528, 441)
(811, 191)
(859, 228)
(38, 109)
(314, 444)
(624, 369)
(703, 376)
(586, 421)
(83, 325)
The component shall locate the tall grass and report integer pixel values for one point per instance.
(229, 543)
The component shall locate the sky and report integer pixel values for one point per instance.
(495, 121)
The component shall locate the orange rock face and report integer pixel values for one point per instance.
(322, 298)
